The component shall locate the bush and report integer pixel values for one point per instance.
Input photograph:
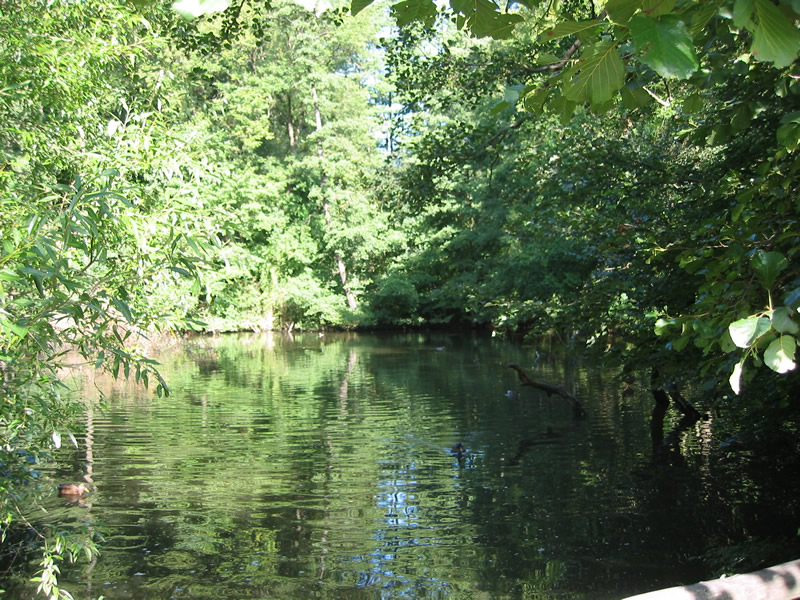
(395, 302)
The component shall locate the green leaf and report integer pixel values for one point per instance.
(413, 10)
(745, 331)
(635, 97)
(123, 307)
(570, 28)
(779, 355)
(703, 13)
(600, 73)
(743, 13)
(789, 131)
(736, 377)
(17, 330)
(621, 11)
(680, 343)
(667, 46)
(775, 39)
(782, 321)
(692, 103)
(768, 266)
(725, 342)
(488, 21)
(656, 8)
(662, 325)
(356, 6)
(533, 100)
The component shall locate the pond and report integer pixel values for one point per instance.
(313, 466)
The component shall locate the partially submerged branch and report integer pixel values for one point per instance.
(550, 389)
(666, 448)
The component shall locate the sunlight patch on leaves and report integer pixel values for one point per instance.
(191, 9)
(779, 355)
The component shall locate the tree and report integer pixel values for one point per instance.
(81, 240)
(726, 71)
(287, 107)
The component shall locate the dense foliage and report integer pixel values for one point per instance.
(623, 178)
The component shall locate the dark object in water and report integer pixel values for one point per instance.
(72, 490)
(550, 389)
(458, 450)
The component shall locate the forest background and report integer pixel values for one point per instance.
(621, 177)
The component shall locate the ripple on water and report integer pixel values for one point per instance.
(326, 471)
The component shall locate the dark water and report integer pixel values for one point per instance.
(320, 467)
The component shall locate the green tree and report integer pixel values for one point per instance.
(287, 110)
(83, 236)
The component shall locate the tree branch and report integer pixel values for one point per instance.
(550, 389)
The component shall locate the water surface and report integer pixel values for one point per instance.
(321, 467)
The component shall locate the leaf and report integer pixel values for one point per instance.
(413, 10)
(743, 13)
(692, 103)
(656, 8)
(191, 9)
(356, 6)
(635, 97)
(767, 266)
(570, 28)
(779, 355)
(600, 74)
(736, 377)
(533, 100)
(775, 38)
(667, 46)
(488, 21)
(56, 439)
(500, 107)
(662, 325)
(745, 331)
(17, 330)
(703, 14)
(789, 131)
(123, 307)
(621, 11)
(725, 342)
(782, 321)
(680, 343)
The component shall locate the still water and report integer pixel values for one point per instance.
(321, 467)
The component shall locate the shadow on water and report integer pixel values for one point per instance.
(395, 466)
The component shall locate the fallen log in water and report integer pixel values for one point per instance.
(781, 582)
(577, 409)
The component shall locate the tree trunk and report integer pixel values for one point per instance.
(290, 124)
(351, 299)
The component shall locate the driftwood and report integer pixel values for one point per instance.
(781, 582)
(550, 389)
(666, 448)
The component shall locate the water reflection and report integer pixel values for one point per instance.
(323, 467)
